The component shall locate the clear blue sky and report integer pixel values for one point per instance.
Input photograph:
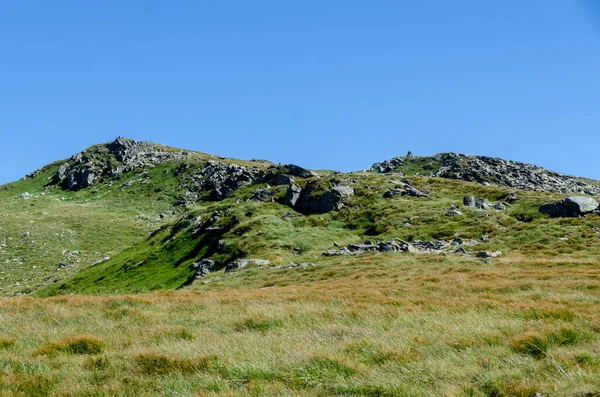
(325, 84)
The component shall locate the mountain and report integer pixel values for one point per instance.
(129, 216)
(152, 270)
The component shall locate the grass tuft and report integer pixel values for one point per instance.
(78, 344)
(153, 363)
(6, 343)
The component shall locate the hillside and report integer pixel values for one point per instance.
(448, 275)
(130, 216)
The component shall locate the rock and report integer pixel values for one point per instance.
(203, 268)
(306, 202)
(61, 172)
(580, 204)
(391, 246)
(301, 172)
(390, 193)
(477, 202)
(461, 250)
(453, 213)
(511, 197)
(302, 264)
(262, 195)
(101, 261)
(26, 196)
(236, 265)
(573, 206)
(486, 254)
(282, 179)
(93, 165)
(292, 195)
(221, 180)
(496, 171)
(409, 248)
(499, 207)
(411, 191)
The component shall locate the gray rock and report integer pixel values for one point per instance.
(236, 265)
(453, 213)
(301, 172)
(411, 191)
(461, 250)
(306, 202)
(293, 195)
(580, 204)
(203, 268)
(282, 179)
(499, 207)
(477, 202)
(490, 170)
(92, 165)
(487, 254)
(390, 193)
(262, 195)
(573, 206)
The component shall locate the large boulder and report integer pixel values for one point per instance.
(573, 206)
(308, 201)
(301, 172)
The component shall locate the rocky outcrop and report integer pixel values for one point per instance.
(104, 161)
(433, 247)
(491, 170)
(301, 172)
(574, 206)
(308, 201)
(221, 180)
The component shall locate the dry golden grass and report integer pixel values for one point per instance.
(376, 326)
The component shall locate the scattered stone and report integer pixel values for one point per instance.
(302, 264)
(487, 254)
(411, 191)
(453, 213)
(101, 261)
(461, 250)
(236, 265)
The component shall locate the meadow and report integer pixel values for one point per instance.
(378, 325)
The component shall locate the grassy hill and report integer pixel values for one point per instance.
(296, 322)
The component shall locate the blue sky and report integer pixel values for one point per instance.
(325, 84)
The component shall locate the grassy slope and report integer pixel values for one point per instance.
(39, 233)
(163, 261)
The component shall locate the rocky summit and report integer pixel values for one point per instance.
(489, 171)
